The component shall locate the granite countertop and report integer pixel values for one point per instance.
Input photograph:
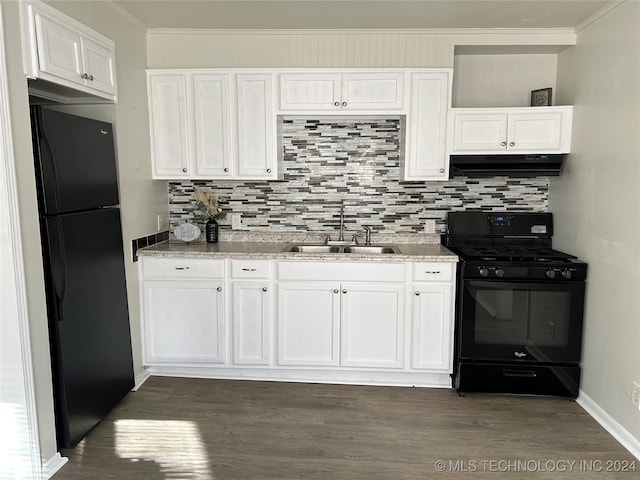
(412, 247)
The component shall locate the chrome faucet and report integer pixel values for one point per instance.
(341, 237)
(367, 235)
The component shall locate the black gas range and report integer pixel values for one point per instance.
(519, 305)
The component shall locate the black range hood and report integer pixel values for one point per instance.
(509, 165)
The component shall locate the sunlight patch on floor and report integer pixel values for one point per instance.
(176, 446)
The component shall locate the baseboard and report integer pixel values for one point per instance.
(618, 432)
(141, 378)
(51, 466)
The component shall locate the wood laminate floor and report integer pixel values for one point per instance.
(180, 428)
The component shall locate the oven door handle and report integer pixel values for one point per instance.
(519, 373)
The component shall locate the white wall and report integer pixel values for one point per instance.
(141, 198)
(596, 202)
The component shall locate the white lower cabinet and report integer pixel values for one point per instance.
(372, 320)
(184, 321)
(432, 335)
(308, 323)
(251, 320)
(345, 322)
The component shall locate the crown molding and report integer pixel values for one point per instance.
(126, 15)
(381, 31)
(598, 15)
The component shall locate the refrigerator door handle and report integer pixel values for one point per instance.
(52, 163)
(57, 252)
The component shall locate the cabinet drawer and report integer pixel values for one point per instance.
(342, 271)
(433, 271)
(249, 269)
(182, 267)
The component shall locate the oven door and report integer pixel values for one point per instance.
(521, 320)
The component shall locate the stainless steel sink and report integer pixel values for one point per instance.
(367, 249)
(355, 249)
(315, 249)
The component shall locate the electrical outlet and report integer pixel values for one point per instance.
(635, 395)
(236, 221)
(430, 226)
(162, 222)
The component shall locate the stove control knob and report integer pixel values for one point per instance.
(499, 272)
(484, 272)
(566, 274)
(551, 273)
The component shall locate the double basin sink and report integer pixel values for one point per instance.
(353, 249)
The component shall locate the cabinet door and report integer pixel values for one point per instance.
(256, 126)
(251, 323)
(308, 323)
(184, 321)
(535, 132)
(99, 64)
(212, 125)
(372, 91)
(372, 319)
(310, 91)
(59, 49)
(432, 327)
(481, 132)
(170, 131)
(425, 157)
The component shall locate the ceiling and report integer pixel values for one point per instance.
(359, 14)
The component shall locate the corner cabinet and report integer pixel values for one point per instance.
(66, 53)
(510, 130)
(338, 322)
(212, 124)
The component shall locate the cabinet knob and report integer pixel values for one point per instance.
(417, 294)
(91, 78)
(512, 144)
(337, 104)
(344, 104)
(442, 170)
(268, 170)
(184, 170)
(344, 291)
(335, 291)
(503, 144)
(219, 289)
(264, 289)
(84, 76)
(182, 268)
(226, 169)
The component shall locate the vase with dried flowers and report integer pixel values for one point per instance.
(209, 205)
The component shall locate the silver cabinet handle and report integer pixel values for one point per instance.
(264, 289)
(91, 77)
(433, 272)
(183, 268)
(442, 170)
(219, 289)
(268, 170)
(184, 170)
(344, 104)
(344, 291)
(503, 144)
(512, 144)
(337, 104)
(226, 169)
(417, 294)
(335, 290)
(249, 269)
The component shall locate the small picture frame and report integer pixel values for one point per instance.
(541, 97)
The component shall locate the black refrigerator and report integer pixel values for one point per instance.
(83, 259)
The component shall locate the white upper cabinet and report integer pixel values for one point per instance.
(65, 52)
(212, 124)
(342, 92)
(425, 156)
(510, 130)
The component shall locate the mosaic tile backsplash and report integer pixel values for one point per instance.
(328, 163)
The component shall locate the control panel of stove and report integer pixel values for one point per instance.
(499, 220)
(525, 272)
